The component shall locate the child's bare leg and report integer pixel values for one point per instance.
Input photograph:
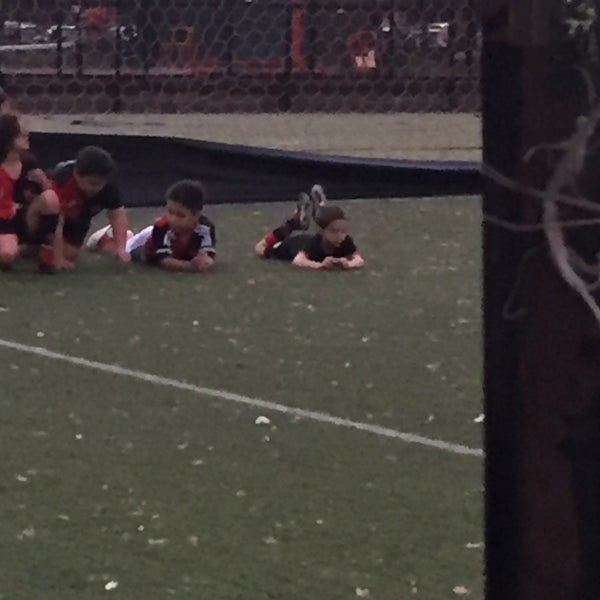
(70, 252)
(41, 219)
(261, 248)
(9, 250)
(298, 222)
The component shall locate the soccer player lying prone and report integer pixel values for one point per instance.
(330, 248)
(182, 240)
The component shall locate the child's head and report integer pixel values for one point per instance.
(93, 169)
(333, 225)
(13, 136)
(185, 201)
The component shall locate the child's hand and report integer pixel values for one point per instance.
(62, 264)
(202, 262)
(38, 176)
(330, 263)
(122, 256)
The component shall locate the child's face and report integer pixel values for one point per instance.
(336, 232)
(90, 185)
(21, 144)
(180, 218)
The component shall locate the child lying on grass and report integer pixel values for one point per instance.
(330, 248)
(182, 240)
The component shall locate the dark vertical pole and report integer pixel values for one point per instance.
(502, 252)
(471, 30)
(150, 31)
(229, 34)
(60, 19)
(79, 41)
(287, 93)
(118, 101)
(390, 46)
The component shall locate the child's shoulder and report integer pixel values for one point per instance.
(62, 172)
(161, 223)
(10, 173)
(206, 222)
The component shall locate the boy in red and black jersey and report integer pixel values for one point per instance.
(182, 240)
(86, 187)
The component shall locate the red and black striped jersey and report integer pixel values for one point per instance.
(166, 243)
(75, 206)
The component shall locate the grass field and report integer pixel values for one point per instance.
(112, 486)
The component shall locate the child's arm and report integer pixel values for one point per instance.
(60, 262)
(202, 262)
(174, 264)
(119, 224)
(356, 261)
(301, 261)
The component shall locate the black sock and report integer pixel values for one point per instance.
(287, 228)
(46, 229)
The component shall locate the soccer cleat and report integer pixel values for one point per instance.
(318, 198)
(302, 210)
(93, 242)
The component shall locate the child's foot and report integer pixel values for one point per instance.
(93, 242)
(303, 210)
(46, 262)
(318, 197)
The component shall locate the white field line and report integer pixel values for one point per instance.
(302, 413)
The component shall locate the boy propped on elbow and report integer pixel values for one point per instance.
(182, 240)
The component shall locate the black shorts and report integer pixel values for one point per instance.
(21, 228)
(138, 255)
(75, 232)
(8, 227)
(289, 248)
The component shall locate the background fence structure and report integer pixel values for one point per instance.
(242, 56)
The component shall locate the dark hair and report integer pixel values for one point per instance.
(96, 162)
(10, 129)
(326, 215)
(188, 193)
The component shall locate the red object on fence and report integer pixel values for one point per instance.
(298, 61)
(96, 18)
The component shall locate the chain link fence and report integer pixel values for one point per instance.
(241, 56)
